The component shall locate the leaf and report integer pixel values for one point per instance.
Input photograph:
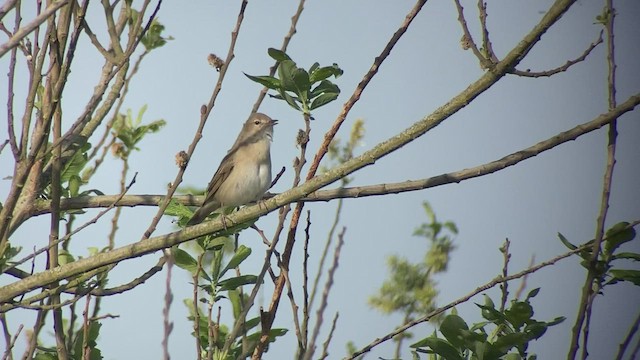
(323, 100)
(241, 254)
(278, 55)
(532, 293)
(267, 81)
(325, 86)
(185, 261)
(285, 73)
(617, 235)
(519, 313)
(440, 347)
(627, 255)
(290, 100)
(234, 282)
(507, 342)
(566, 242)
(632, 276)
(451, 329)
(324, 73)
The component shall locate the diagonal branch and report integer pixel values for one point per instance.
(27, 29)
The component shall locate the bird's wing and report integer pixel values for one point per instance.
(225, 168)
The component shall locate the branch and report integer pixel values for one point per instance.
(565, 67)
(86, 202)
(27, 29)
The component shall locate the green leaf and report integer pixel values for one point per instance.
(277, 55)
(617, 235)
(234, 282)
(325, 86)
(241, 254)
(185, 261)
(267, 81)
(519, 313)
(451, 328)
(566, 242)
(74, 185)
(627, 255)
(290, 100)
(323, 100)
(532, 293)
(440, 347)
(286, 70)
(632, 276)
(303, 86)
(324, 73)
(507, 342)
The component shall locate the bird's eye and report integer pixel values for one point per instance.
(257, 122)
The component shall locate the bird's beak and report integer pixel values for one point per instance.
(274, 121)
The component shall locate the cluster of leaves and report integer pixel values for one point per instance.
(153, 38)
(131, 131)
(304, 90)
(410, 288)
(82, 349)
(604, 269)
(513, 328)
(217, 286)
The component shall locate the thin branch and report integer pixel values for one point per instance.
(10, 342)
(627, 340)
(506, 255)
(325, 345)
(373, 70)
(467, 39)
(325, 296)
(565, 67)
(283, 48)
(294, 312)
(35, 23)
(167, 324)
(588, 291)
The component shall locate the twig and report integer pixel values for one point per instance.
(325, 345)
(166, 320)
(35, 23)
(69, 235)
(565, 67)
(588, 293)
(325, 296)
(627, 340)
(467, 39)
(305, 283)
(294, 312)
(283, 48)
(373, 70)
(10, 341)
(506, 255)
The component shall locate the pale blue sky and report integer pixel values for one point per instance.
(558, 191)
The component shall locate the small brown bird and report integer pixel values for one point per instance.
(244, 174)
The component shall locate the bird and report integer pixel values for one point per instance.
(244, 174)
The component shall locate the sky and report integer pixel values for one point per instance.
(557, 191)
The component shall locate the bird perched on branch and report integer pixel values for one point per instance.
(244, 174)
